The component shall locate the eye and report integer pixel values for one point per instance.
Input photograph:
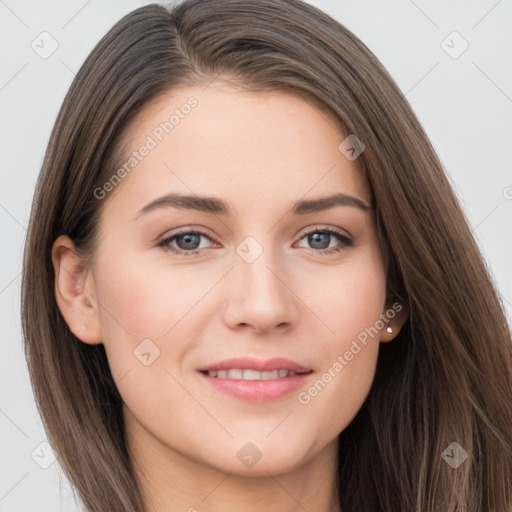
(185, 242)
(321, 240)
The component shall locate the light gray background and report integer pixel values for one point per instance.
(464, 103)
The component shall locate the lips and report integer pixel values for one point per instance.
(253, 380)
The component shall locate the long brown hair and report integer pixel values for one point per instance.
(446, 378)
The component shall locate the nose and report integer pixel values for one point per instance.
(261, 297)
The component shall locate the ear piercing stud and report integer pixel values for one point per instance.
(389, 329)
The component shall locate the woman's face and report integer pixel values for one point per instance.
(223, 240)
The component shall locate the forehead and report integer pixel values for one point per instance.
(245, 146)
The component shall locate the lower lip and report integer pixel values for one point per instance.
(257, 390)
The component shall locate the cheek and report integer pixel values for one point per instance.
(140, 303)
(145, 314)
(351, 307)
(351, 298)
(147, 300)
(152, 308)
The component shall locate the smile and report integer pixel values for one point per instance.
(254, 380)
(247, 374)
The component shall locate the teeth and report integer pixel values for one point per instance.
(251, 375)
(246, 374)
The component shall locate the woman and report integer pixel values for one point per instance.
(248, 283)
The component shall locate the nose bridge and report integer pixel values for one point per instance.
(260, 298)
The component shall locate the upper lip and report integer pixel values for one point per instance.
(249, 363)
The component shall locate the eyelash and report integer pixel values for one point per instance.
(346, 241)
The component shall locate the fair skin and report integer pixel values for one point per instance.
(260, 153)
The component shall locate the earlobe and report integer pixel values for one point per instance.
(395, 324)
(75, 291)
(389, 332)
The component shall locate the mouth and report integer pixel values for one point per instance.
(248, 374)
(252, 380)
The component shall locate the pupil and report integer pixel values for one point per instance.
(319, 240)
(190, 241)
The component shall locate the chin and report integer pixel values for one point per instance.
(260, 459)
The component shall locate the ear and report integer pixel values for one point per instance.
(394, 315)
(75, 292)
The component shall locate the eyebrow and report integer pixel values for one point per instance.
(220, 207)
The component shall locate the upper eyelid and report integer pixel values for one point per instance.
(204, 232)
(182, 232)
(336, 231)
(185, 231)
